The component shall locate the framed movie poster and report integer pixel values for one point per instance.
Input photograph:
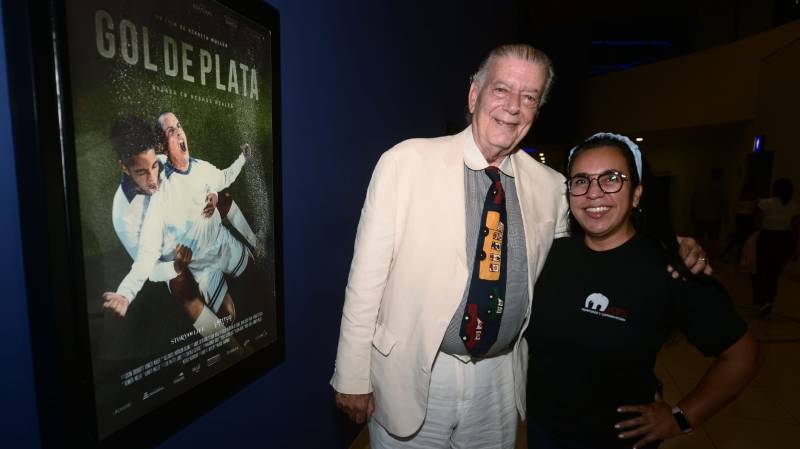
(168, 143)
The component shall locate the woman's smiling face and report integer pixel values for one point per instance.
(604, 217)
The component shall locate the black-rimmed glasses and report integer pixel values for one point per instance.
(609, 182)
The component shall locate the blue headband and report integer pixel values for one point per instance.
(637, 155)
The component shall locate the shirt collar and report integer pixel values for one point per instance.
(169, 169)
(130, 189)
(474, 160)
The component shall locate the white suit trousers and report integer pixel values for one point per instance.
(470, 405)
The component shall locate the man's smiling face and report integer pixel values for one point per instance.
(504, 106)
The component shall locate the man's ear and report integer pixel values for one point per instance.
(123, 168)
(472, 98)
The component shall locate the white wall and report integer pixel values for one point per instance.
(710, 87)
(702, 111)
(689, 154)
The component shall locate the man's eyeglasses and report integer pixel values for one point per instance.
(609, 182)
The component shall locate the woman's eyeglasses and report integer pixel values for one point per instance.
(609, 182)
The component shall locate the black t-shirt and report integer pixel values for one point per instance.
(599, 320)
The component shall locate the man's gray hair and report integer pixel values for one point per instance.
(524, 52)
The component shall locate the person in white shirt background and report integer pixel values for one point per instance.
(777, 221)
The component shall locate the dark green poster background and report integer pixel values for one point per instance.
(211, 67)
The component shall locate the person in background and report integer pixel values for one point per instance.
(604, 306)
(709, 212)
(777, 221)
(744, 219)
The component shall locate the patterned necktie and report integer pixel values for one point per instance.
(484, 307)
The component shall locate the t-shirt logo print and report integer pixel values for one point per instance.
(599, 304)
(596, 301)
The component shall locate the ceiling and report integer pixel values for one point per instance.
(587, 39)
(618, 34)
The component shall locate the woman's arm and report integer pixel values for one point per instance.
(723, 381)
(732, 370)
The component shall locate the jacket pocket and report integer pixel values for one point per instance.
(383, 340)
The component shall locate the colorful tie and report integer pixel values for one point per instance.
(484, 307)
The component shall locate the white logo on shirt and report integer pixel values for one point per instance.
(598, 304)
(596, 301)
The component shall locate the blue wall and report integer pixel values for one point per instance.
(358, 76)
(18, 421)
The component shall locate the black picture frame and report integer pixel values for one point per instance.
(53, 199)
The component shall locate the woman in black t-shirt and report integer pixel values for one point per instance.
(604, 305)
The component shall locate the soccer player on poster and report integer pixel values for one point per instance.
(167, 237)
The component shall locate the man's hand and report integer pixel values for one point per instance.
(211, 203)
(183, 256)
(247, 152)
(655, 422)
(358, 407)
(116, 303)
(693, 257)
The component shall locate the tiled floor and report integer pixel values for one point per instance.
(767, 414)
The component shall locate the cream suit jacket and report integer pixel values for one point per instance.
(409, 271)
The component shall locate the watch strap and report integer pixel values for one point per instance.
(680, 418)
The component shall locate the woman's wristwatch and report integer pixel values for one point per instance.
(680, 418)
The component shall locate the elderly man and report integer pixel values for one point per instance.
(452, 236)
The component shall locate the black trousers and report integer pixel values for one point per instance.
(773, 250)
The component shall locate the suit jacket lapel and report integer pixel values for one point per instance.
(453, 191)
(526, 195)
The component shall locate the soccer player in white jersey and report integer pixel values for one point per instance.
(135, 144)
(196, 241)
